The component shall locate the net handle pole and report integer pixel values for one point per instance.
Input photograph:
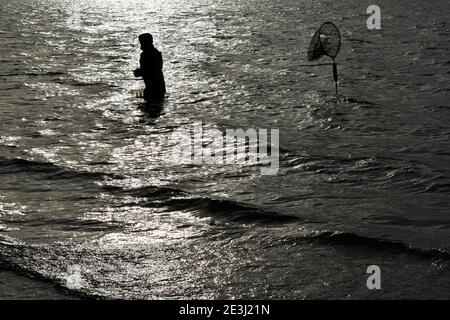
(335, 76)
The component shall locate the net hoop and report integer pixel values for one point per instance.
(325, 42)
(332, 25)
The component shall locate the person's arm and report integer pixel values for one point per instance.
(137, 72)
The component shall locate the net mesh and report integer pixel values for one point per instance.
(325, 42)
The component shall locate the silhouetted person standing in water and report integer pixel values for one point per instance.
(150, 70)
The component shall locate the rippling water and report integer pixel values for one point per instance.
(88, 183)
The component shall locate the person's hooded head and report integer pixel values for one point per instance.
(146, 40)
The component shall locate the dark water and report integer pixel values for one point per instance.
(89, 189)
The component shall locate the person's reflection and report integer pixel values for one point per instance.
(151, 109)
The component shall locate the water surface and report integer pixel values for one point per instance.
(88, 181)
